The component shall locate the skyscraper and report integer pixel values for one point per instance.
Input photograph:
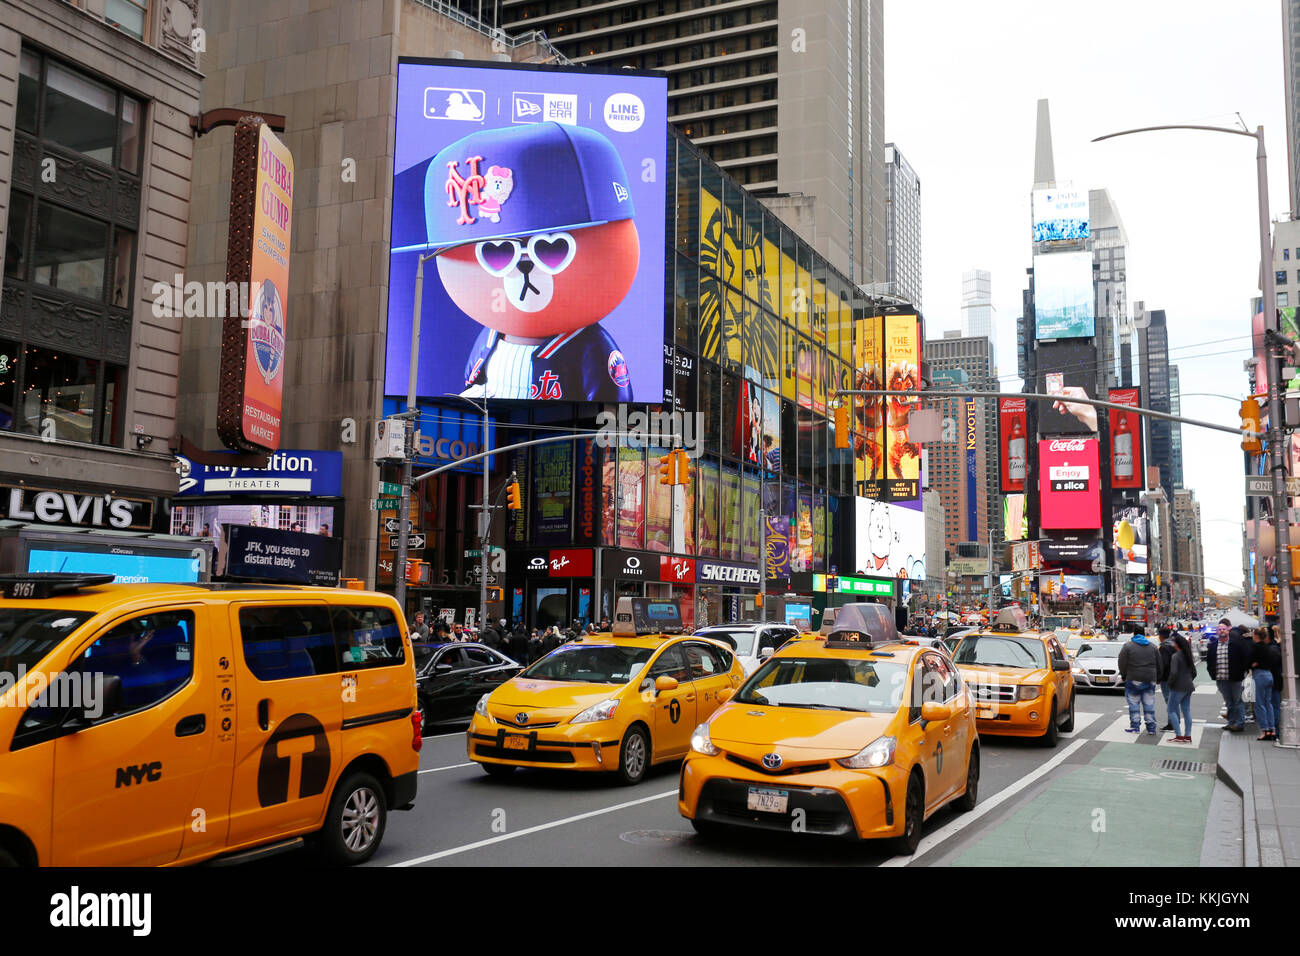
(1291, 71)
(1153, 338)
(786, 97)
(1175, 431)
(1109, 257)
(902, 227)
(978, 317)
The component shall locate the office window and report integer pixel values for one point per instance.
(127, 15)
(1281, 300)
(1281, 277)
(1286, 254)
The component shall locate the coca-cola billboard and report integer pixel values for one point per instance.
(1069, 484)
(1013, 443)
(1125, 440)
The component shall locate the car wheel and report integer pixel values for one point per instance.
(913, 818)
(425, 710)
(708, 829)
(966, 802)
(498, 769)
(1068, 726)
(354, 826)
(1053, 732)
(633, 756)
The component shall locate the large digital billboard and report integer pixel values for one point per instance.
(1063, 296)
(890, 540)
(1013, 443)
(1069, 484)
(1060, 214)
(1068, 369)
(888, 357)
(539, 192)
(1125, 440)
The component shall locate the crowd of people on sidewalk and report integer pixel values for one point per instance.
(518, 642)
(1244, 668)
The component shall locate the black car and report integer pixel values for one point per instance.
(452, 677)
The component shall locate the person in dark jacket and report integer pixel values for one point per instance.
(1139, 662)
(1181, 683)
(519, 644)
(1275, 640)
(1229, 659)
(1261, 669)
(1167, 649)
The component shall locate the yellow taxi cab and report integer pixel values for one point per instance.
(1020, 679)
(158, 724)
(854, 735)
(616, 702)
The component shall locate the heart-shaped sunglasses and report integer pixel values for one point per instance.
(551, 252)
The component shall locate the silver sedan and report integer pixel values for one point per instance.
(1096, 665)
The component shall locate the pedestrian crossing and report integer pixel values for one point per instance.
(1206, 689)
(1117, 733)
(1081, 722)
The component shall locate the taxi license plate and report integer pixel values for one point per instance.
(516, 742)
(768, 801)
(1102, 680)
(986, 710)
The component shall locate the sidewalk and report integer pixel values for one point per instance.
(1267, 778)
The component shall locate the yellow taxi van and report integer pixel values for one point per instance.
(157, 724)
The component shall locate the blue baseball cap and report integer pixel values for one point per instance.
(535, 178)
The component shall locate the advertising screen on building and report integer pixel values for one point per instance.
(134, 566)
(902, 366)
(539, 192)
(1061, 214)
(1066, 586)
(972, 447)
(1013, 443)
(1069, 484)
(1129, 537)
(890, 540)
(1063, 296)
(1067, 369)
(1015, 518)
(1125, 440)
(868, 413)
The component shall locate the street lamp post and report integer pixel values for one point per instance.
(1290, 720)
(485, 514)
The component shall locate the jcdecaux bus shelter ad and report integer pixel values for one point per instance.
(538, 194)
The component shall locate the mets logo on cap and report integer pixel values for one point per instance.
(266, 332)
(617, 366)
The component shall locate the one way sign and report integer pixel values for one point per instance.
(390, 525)
(414, 542)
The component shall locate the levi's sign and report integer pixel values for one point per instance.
(66, 508)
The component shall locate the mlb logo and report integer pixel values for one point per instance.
(528, 107)
(443, 103)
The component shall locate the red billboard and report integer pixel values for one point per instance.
(1013, 443)
(1125, 440)
(1069, 484)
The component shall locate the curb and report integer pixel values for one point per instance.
(1234, 770)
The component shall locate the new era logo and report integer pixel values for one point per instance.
(620, 192)
(545, 107)
(528, 107)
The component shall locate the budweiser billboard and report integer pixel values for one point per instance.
(1125, 440)
(1013, 443)
(1069, 483)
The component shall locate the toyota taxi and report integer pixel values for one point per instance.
(616, 702)
(853, 735)
(1020, 679)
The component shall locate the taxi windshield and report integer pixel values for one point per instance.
(591, 664)
(827, 684)
(1063, 623)
(28, 634)
(1001, 650)
(1107, 649)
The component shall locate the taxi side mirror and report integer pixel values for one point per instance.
(1060, 665)
(726, 694)
(932, 711)
(665, 683)
(108, 703)
(765, 652)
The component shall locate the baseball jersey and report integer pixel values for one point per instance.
(582, 366)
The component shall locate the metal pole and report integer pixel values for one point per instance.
(991, 611)
(486, 519)
(762, 556)
(404, 507)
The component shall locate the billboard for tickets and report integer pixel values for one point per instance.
(539, 194)
(1125, 440)
(869, 413)
(902, 371)
(1069, 484)
(1013, 444)
(251, 387)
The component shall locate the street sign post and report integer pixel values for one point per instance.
(1261, 486)
(414, 542)
(391, 525)
(385, 504)
(390, 489)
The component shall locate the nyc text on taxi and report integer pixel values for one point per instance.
(616, 702)
(856, 735)
(147, 724)
(1020, 679)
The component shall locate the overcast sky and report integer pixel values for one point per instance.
(962, 81)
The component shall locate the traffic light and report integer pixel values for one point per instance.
(842, 425)
(668, 469)
(417, 572)
(512, 496)
(494, 595)
(1295, 563)
(683, 466)
(1250, 423)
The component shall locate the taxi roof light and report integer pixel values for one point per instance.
(647, 617)
(862, 623)
(46, 584)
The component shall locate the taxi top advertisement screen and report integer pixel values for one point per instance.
(540, 194)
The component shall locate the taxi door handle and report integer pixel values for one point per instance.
(191, 725)
(264, 713)
(690, 698)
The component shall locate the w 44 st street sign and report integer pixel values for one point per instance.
(1261, 486)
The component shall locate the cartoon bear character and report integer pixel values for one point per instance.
(880, 536)
(499, 183)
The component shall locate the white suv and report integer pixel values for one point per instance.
(753, 643)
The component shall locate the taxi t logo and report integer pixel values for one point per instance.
(465, 190)
(674, 711)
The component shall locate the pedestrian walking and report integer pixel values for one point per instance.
(1262, 664)
(420, 628)
(1275, 640)
(1138, 666)
(519, 644)
(1228, 662)
(1182, 683)
(1167, 650)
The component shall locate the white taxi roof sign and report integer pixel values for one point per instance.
(1011, 619)
(862, 624)
(641, 617)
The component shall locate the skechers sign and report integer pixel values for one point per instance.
(85, 511)
(709, 572)
(318, 473)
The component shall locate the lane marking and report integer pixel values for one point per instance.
(530, 830)
(966, 819)
(454, 766)
(458, 733)
(1082, 719)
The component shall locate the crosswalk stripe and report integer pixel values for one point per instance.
(1081, 721)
